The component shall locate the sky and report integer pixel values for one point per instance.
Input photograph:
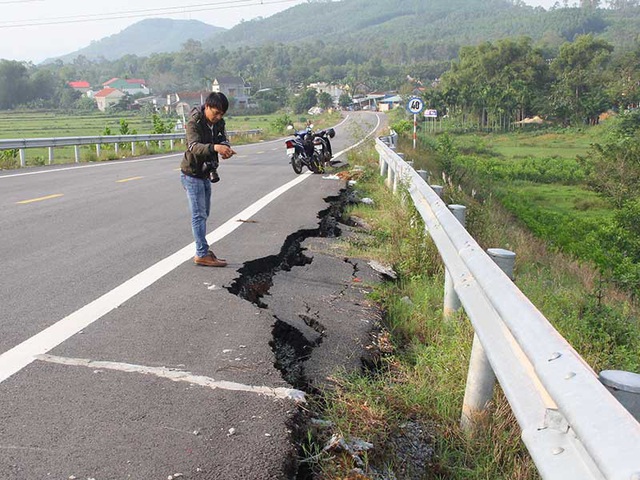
(34, 30)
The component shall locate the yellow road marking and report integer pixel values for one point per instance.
(48, 197)
(128, 179)
(177, 169)
(259, 153)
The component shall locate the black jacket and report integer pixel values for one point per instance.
(200, 157)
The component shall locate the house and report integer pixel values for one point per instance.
(185, 101)
(234, 88)
(334, 90)
(369, 102)
(389, 102)
(132, 86)
(80, 86)
(108, 97)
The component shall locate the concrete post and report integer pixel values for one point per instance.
(23, 158)
(451, 301)
(116, 147)
(424, 175)
(98, 149)
(171, 144)
(438, 189)
(481, 380)
(50, 155)
(625, 386)
(395, 182)
(383, 166)
(76, 152)
(133, 148)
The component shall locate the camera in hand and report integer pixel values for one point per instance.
(211, 168)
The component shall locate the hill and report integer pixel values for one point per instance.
(430, 29)
(409, 30)
(154, 35)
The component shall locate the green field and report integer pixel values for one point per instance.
(15, 124)
(47, 124)
(21, 124)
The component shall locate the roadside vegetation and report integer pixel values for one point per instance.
(520, 196)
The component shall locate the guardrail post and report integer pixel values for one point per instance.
(481, 379)
(133, 148)
(391, 175)
(451, 301)
(116, 147)
(438, 189)
(76, 152)
(23, 158)
(384, 166)
(424, 174)
(171, 143)
(625, 387)
(50, 155)
(98, 149)
(394, 140)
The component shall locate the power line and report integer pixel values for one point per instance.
(137, 13)
(19, 1)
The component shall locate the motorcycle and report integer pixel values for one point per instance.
(323, 138)
(309, 149)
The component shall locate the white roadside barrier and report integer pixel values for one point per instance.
(573, 427)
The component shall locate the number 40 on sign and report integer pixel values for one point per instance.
(415, 105)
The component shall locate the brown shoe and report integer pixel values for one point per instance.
(213, 255)
(209, 261)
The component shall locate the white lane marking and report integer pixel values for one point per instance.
(23, 354)
(177, 376)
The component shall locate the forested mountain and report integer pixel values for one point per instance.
(378, 43)
(153, 35)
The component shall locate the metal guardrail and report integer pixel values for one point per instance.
(50, 143)
(571, 424)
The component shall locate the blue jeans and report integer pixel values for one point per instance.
(199, 195)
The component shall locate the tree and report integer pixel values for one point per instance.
(580, 71)
(14, 82)
(304, 101)
(495, 82)
(325, 100)
(345, 100)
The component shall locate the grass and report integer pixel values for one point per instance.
(33, 124)
(422, 380)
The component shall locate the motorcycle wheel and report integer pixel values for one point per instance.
(296, 163)
(316, 165)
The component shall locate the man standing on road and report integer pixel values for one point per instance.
(206, 139)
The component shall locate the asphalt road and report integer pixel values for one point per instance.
(122, 359)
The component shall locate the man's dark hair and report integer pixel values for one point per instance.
(218, 101)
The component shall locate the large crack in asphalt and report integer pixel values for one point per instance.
(291, 347)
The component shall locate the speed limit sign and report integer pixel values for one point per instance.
(415, 105)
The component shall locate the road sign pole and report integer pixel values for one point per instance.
(415, 129)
